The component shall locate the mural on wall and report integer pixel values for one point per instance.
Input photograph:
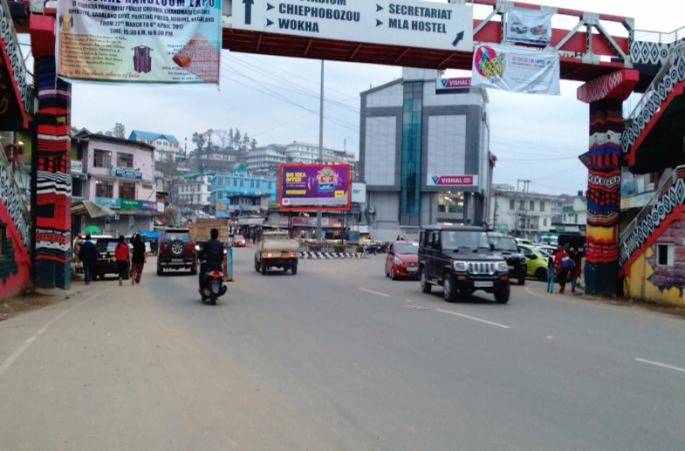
(664, 277)
(53, 180)
(15, 262)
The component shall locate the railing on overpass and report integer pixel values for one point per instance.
(672, 73)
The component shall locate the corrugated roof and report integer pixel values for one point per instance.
(140, 135)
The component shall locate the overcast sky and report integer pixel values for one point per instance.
(275, 100)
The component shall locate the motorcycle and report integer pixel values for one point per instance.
(213, 286)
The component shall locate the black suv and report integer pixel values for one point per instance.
(461, 259)
(506, 245)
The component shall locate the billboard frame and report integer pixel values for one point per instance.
(344, 209)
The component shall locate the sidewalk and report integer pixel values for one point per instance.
(37, 299)
(539, 290)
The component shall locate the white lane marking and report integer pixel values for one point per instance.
(9, 361)
(659, 364)
(366, 290)
(472, 318)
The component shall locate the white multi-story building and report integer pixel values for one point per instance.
(523, 214)
(265, 160)
(299, 152)
(192, 192)
(166, 146)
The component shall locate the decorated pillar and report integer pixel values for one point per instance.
(51, 162)
(603, 161)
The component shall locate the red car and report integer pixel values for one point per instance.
(239, 241)
(403, 260)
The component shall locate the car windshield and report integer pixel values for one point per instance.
(406, 248)
(503, 243)
(177, 236)
(466, 240)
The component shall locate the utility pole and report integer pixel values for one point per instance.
(319, 213)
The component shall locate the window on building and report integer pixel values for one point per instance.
(235, 181)
(127, 190)
(125, 160)
(104, 188)
(532, 205)
(242, 183)
(512, 204)
(102, 159)
(451, 203)
(542, 205)
(544, 222)
(251, 183)
(522, 205)
(665, 254)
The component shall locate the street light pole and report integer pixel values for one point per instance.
(319, 213)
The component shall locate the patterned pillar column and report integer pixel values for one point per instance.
(51, 170)
(603, 160)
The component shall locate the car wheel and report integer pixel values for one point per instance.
(193, 271)
(425, 285)
(293, 268)
(541, 274)
(160, 271)
(522, 280)
(263, 269)
(449, 289)
(256, 265)
(393, 276)
(502, 294)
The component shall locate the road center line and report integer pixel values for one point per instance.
(472, 318)
(366, 290)
(659, 364)
(9, 361)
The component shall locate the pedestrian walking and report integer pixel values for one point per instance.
(563, 265)
(138, 259)
(550, 274)
(88, 255)
(576, 257)
(122, 257)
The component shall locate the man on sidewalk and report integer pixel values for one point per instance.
(88, 255)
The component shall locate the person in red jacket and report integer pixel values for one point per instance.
(122, 256)
(563, 265)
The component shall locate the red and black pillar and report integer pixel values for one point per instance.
(51, 171)
(604, 160)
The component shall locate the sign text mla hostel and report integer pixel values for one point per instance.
(401, 22)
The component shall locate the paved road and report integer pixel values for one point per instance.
(337, 357)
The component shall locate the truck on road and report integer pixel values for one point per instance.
(276, 250)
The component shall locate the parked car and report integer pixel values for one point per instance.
(106, 263)
(506, 245)
(402, 261)
(239, 241)
(176, 251)
(276, 250)
(546, 249)
(536, 261)
(461, 260)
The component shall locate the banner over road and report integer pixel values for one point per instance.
(168, 41)
(411, 23)
(516, 69)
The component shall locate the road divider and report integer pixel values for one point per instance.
(309, 255)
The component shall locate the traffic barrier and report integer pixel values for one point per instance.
(309, 255)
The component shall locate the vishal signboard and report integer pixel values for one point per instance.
(408, 23)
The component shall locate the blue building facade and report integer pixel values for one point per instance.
(239, 192)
